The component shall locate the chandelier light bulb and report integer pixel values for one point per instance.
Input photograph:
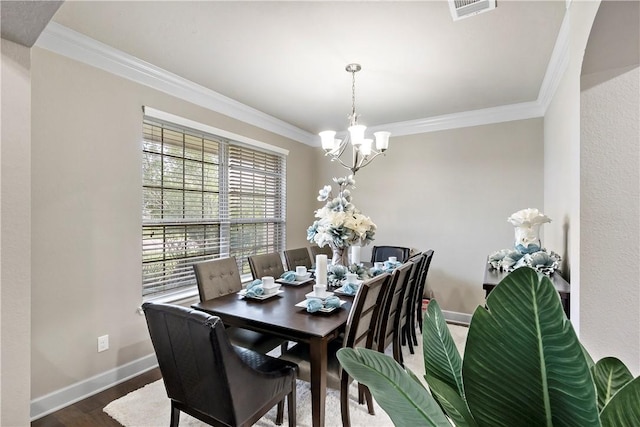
(365, 148)
(382, 140)
(357, 134)
(328, 140)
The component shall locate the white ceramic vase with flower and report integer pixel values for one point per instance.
(527, 223)
(339, 224)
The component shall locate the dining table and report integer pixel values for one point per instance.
(278, 315)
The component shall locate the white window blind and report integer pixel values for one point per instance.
(205, 197)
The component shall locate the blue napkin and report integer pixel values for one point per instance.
(375, 271)
(390, 265)
(350, 288)
(313, 305)
(289, 276)
(254, 288)
(331, 302)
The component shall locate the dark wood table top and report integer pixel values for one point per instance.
(278, 315)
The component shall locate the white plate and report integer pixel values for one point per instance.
(243, 293)
(303, 304)
(357, 282)
(303, 277)
(313, 295)
(341, 292)
(295, 282)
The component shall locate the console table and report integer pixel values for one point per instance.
(492, 277)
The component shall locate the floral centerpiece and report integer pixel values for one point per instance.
(528, 250)
(339, 224)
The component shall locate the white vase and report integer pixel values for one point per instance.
(340, 256)
(527, 239)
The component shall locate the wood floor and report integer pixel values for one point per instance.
(88, 412)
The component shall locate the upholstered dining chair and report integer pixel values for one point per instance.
(382, 253)
(388, 331)
(208, 378)
(359, 332)
(411, 295)
(315, 250)
(266, 265)
(297, 257)
(219, 277)
(421, 285)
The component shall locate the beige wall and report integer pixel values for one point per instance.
(452, 191)
(15, 235)
(591, 181)
(86, 178)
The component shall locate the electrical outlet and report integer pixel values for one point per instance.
(103, 343)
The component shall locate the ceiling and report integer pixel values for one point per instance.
(287, 59)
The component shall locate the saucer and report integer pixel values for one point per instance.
(303, 304)
(301, 277)
(312, 295)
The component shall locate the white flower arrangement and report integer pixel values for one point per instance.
(339, 223)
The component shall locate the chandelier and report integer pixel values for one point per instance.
(362, 150)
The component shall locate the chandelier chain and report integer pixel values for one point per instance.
(354, 118)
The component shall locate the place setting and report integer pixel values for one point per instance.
(301, 276)
(350, 285)
(261, 289)
(320, 300)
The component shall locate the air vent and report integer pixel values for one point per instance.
(465, 8)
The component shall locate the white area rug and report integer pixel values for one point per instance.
(150, 407)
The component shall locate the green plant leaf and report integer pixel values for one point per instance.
(406, 402)
(623, 410)
(523, 362)
(441, 357)
(454, 405)
(610, 375)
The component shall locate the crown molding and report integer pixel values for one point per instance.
(64, 41)
(503, 113)
(557, 64)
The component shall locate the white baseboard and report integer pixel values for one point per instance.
(69, 395)
(456, 317)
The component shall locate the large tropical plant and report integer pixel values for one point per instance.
(523, 365)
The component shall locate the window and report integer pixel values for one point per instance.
(205, 197)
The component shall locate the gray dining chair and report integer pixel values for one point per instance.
(266, 265)
(315, 250)
(388, 330)
(360, 331)
(297, 257)
(219, 277)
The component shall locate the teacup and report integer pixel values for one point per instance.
(378, 265)
(267, 280)
(352, 278)
(301, 270)
(393, 259)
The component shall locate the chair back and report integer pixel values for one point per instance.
(422, 279)
(315, 250)
(217, 277)
(382, 253)
(191, 347)
(365, 311)
(411, 291)
(297, 257)
(266, 265)
(389, 320)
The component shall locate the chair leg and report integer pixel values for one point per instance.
(369, 398)
(280, 413)
(344, 401)
(291, 404)
(419, 313)
(412, 328)
(360, 394)
(175, 415)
